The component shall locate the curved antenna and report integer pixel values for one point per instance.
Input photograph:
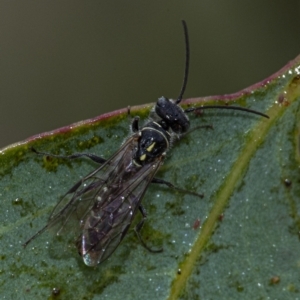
(187, 61)
(227, 107)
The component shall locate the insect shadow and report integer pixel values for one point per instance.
(101, 206)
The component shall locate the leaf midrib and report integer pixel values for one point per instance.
(254, 141)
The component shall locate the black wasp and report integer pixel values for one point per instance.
(105, 201)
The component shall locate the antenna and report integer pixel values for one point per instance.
(185, 78)
(188, 110)
(187, 61)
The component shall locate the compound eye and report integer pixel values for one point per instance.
(162, 107)
(162, 102)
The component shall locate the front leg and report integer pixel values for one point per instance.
(95, 158)
(172, 186)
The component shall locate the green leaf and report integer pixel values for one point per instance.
(241, 241)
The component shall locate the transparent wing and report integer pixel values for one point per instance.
(79, 200)
(99, 209)
(108, 223)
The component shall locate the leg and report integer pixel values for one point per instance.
(135, 124)
(138, 228)
(93, 157)
(172, 186)
(135, 121)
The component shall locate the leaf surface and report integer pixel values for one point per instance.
(241, 241)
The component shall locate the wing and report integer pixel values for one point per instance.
(99, 209)
(79, 200)
(108, 222)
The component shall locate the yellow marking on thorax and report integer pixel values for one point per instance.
(142, 157)
(150, 148)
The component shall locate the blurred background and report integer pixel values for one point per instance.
(66, 61)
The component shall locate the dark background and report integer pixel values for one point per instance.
(65, 61)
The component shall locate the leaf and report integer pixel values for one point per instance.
(240, 241)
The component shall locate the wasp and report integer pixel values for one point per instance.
(106, 200)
